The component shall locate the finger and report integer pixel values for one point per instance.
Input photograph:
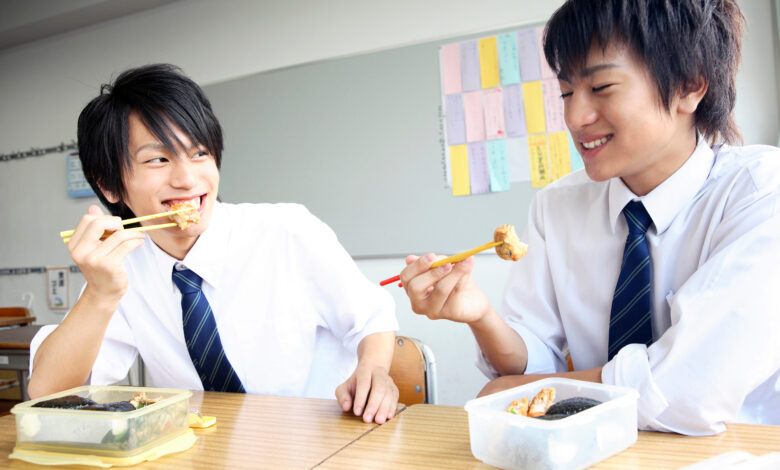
(411, 259)
(417, 267)
(111, 252)
(378, 392)
(362, 387)
(419, 287)
(343, 397)
(387, 408)
(91, 228)
(94, 210)
(444, 288)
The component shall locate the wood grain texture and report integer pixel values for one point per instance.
(433, 436)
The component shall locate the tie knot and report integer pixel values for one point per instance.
(186, 280)
(637, 217)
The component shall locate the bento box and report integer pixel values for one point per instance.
(103, 433)
(508, 440)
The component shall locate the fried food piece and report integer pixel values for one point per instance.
(186, 218)
(140, 400)
(518, 407)
(541, 402)
(511, 248)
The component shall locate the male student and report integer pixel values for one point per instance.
(658, 266)
(256, 297)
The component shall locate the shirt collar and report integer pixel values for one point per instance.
(668, 198)
(206, 256)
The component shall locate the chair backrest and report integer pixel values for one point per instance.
(414, 371)
(14, 312)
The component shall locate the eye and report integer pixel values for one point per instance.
(156, 160)
(201, 154)
(602, 87)
(566, 94)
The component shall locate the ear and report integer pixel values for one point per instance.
(110, 197)
(691, 95)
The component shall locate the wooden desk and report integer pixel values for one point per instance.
(15, 352)
(434, 436)
(252, 432)
(11, 321)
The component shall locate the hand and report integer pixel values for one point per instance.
(447, 292)
(369, 392)
(102, 261)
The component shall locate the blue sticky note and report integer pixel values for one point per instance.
(469, 66)
(508, 62)
(574, 156)
(499, 165)
(456, 121)
(77, 185)
(479, 172)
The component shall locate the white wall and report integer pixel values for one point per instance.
(44, 85)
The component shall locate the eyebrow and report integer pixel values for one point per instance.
(160, 146)
(588, 71)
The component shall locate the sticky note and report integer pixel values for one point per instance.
(528, 53)
(508, 59)
(456, 119)
(499, 166)
(450, 69)
(574, 155)
(459, 166)
(479, 173)
(514, 111)
(539, 161)
(547, 72)
(533, 102)
(488, 61)
(494, 113)
(560, 163)
(518, 159)
(553, 105)
(469, 66)
(475, 118)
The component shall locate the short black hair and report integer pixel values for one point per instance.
(679, 41)
(161, 96)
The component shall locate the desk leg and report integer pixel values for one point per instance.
(22, 374)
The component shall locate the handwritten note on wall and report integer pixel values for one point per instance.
(504, 115)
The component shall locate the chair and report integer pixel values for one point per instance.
(10, 316)
(414, 371)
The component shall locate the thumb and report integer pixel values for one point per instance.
(343, 396)
(411, 259)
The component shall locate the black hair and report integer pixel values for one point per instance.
(162, 97)
(678, 41)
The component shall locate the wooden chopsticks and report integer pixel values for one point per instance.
(69, 233)
(450, 259)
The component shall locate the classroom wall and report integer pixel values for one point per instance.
(44, 85)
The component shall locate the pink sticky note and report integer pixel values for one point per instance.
(475, 120)
(553, 105)
(450, 69)
(494, 114)
(546, 70)
(479, 169)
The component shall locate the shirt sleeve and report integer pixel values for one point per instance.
(529, 306)
(350, 305)
(722, 342)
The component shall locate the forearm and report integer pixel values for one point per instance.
(500, 344)
(65, 358)
(377, 350)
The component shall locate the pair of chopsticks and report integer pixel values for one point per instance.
(450, 259)
(69, 233)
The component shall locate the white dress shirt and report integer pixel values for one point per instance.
(715, 254)
(290, 304)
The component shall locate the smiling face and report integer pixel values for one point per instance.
(620, 128)
(159, 178)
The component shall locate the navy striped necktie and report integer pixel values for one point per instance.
(630, 320)
(202, 337)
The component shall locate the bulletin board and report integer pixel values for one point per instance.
(361, 142)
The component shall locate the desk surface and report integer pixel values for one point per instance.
(255, 431)
(9, 321)
(18, 337)
(433, 436)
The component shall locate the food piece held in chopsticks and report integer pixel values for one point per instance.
(186, 218)
(511, 247)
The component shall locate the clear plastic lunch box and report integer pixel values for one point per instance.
(507, 440)
(103, 433)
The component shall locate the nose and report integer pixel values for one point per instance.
(182, 174)
(579, 111)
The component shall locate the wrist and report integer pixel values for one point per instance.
(99, 303)
(484, 321)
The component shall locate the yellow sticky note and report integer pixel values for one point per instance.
(199, 421)
(540, 165)
(488, 62)
(459, 166)
(533, 101)
(559, 154)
